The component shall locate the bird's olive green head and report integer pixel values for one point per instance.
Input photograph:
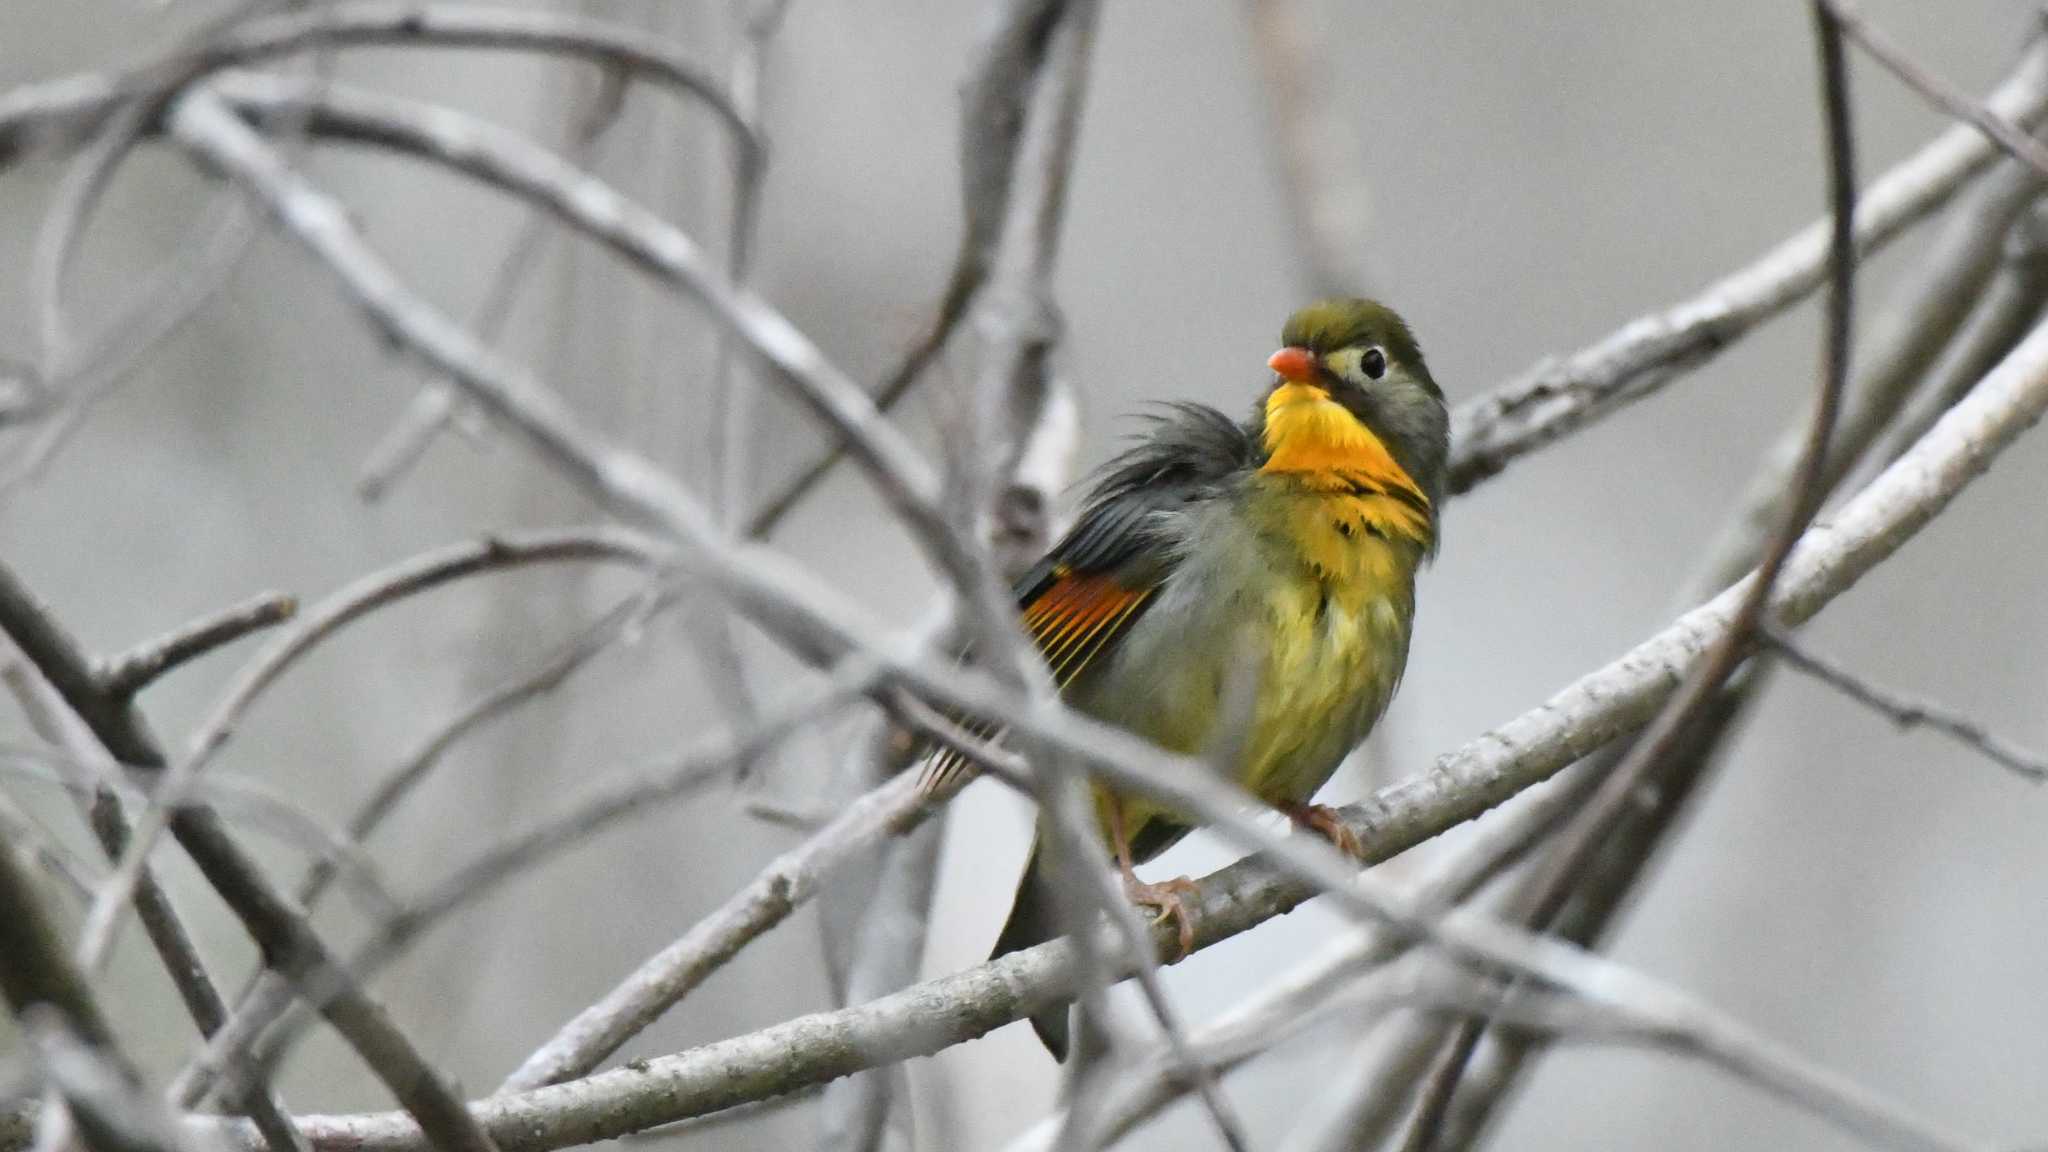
(1363, 355)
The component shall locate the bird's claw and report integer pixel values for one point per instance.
(1171, 899)
(1324, 821)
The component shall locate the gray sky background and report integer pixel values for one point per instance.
(1539, 174)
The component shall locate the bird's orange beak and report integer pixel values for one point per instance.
(1297, 365)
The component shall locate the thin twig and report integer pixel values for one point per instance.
(84, 186)
(1559, 396)
(59, 721)
(994, 98)
(1017, 455)
(940, 1013)
(2004, 311)
(288, 943)
(504, 159)
(669, 975)
(254, 1011)
(173, 296)
(35, 966)
(874, 915)
(363, 597)
(1911, 711)
(2010, 137)
(257, 805)
(435, 406)
(1294, 997)
(137, 668)
(1914, 327)
(98, 1090)
(20, 833)
(807, 615)
(1913, 330)
(54, 112)
(1329, 197)
(1590, 828)
(733, 401)
(386, 795)
(605, 805)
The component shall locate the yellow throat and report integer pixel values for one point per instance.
(1319, 444)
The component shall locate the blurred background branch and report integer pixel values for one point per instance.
(428, 752)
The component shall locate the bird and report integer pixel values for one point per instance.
(1243, 590)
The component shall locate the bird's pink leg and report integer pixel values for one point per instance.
(1169, 897)
(1324, 821)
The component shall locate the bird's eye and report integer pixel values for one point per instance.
(1374, 362)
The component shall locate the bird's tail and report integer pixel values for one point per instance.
(1032, 921)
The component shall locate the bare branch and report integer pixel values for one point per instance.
(943, 1012)
(816, 1048)
(287, 942)
(477, 148)
(1294, 997)
(1007, 481)
(732, 409)
(1561, 395)
(995, 100)
(172, 297)
(1913, 330)
(920, 1020)
(57, 111)
(378, 590)
(389, 792)
(97, 1089)
(1663, 740)
(135, 669)
(23, 835)
(801, 610)
(35, 967)
(435, 406)
(1916, 324)
(669, 975)
(1911, 711)
(1026, 422)
(76, 199)
(46, 648)
(603, 806)
(256, 805)
(1557, 397)
(1943, 95)
(2005, 310)
(60, 723)
(1328, 194)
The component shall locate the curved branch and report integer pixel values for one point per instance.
(1558, 875)
(940, 1013)
(37, 115)
(510, 162)
(140, 666)
(1559, 396)
(366, 595)
(816, 621)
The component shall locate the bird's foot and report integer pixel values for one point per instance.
(1324, 821)
(1171, 899)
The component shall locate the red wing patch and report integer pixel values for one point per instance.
(1075, 618)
